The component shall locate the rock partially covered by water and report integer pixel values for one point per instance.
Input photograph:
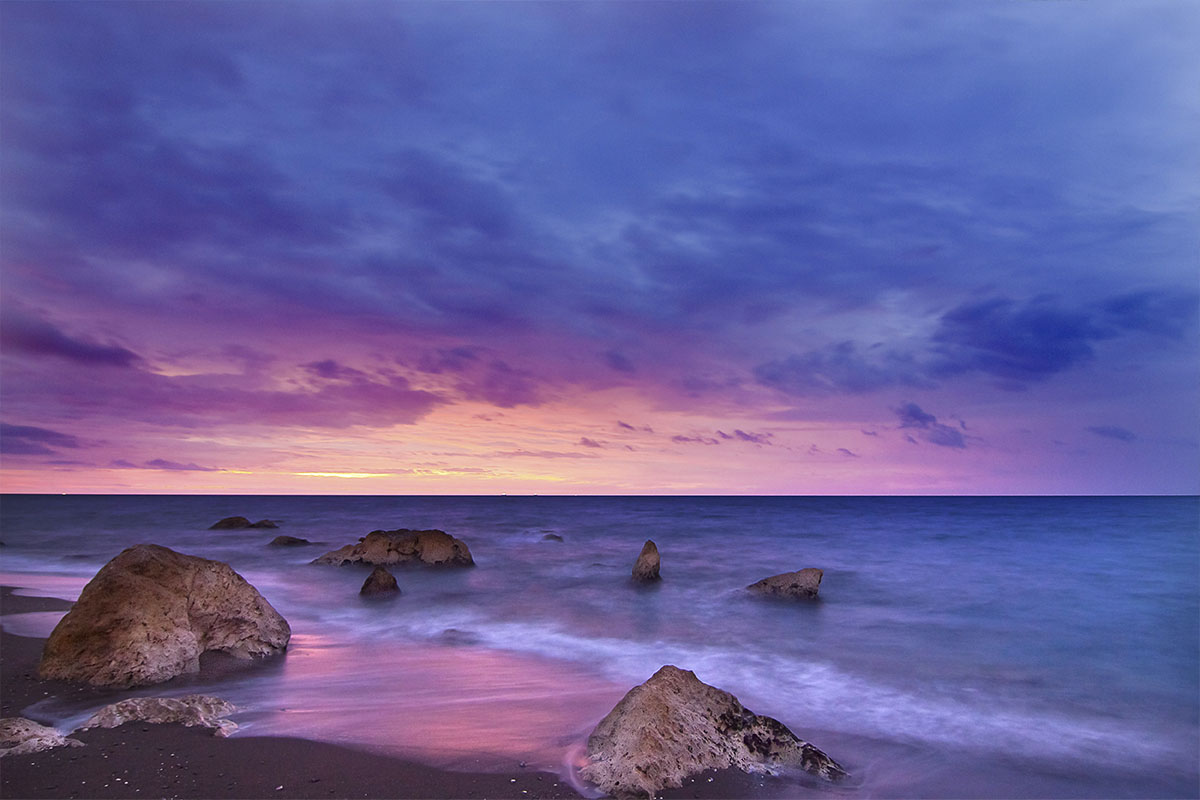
(403, 546)
(380, 583)
(646, 567)
(19, 736)
(803, 583)
(149, 614)
(674, 726)
(289, 541)
(552, 537)
(193, 710)
(233, 523)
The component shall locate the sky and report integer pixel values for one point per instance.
(600, 248)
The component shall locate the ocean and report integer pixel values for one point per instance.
(961, 646)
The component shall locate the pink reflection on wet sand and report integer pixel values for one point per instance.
(450, 706)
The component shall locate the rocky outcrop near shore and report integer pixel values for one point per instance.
(802, 584)
(674, 726)
(233, 523)
(193, 710)
(19, 736)
(380, 583)
(403, 546)
(288, 541)
(645, 569)
(148, 615)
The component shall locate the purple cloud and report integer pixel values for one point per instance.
(912, 416)
(22, 333)
(1113, 432)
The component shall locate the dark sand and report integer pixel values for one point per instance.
(140, 760)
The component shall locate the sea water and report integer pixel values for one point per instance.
(993, 647)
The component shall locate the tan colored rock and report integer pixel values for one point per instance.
(403, 546)
(803, 583)
(193, 710)
(674, 726)
(149, 614)
(647, 564)
(380, 583)
(19, 736)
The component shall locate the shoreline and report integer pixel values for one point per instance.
(139, 760)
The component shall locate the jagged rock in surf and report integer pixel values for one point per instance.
(674, 726)
(645, 569)
(380, 583)
(803, 584)
(289, 541)
(193, 710)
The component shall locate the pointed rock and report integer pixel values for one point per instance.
(674, 726)
(380, 583)
(646, 567)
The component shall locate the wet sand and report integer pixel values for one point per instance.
(142, 760)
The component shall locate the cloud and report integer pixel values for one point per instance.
(23, 333)
(586, 442)
(1113, 432)
(1166, 312)
(161, 464)
(707, 440)
(912, 416)
(332, 370)
(32, 441)
(743, 436)
(839, 369)
(539, 454)
(847, 453)
(619, 362)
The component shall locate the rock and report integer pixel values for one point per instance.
(403, 546)
(646, 566)
(379, 583)
(229, 523)
(803, 583)
(264, 523)
(193, 710)
(674, 726)
(19, 736)
(289, 541)
(552, 537)
(149, 614)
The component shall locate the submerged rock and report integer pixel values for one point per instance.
(552, 537)
(674, 726)
(148, 615)
(19, 736)
(433, 547)
(193, 710)
(229, 523)
(803, 583)
(646, 566)
(289, 541)
(233, 523)
(379, 583)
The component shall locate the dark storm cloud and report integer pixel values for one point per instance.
(23, 333)
(912, 415)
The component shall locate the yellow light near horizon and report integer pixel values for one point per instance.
(344, 474)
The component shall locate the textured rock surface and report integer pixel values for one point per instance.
(646, 566)
(803, 583)
(380, 583)
(149, 614)
(403, 546)
(289, 541)
(674, 726)
(192, 710)
(19, 736)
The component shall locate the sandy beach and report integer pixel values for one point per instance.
(143, 760)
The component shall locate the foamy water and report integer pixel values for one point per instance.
(968, 646)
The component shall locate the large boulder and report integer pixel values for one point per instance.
(19, 736)
(645, 569)
(403, 546)
(380, 583)
(149, 614)
(192, 710)
(802, 583)
(674, 726)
